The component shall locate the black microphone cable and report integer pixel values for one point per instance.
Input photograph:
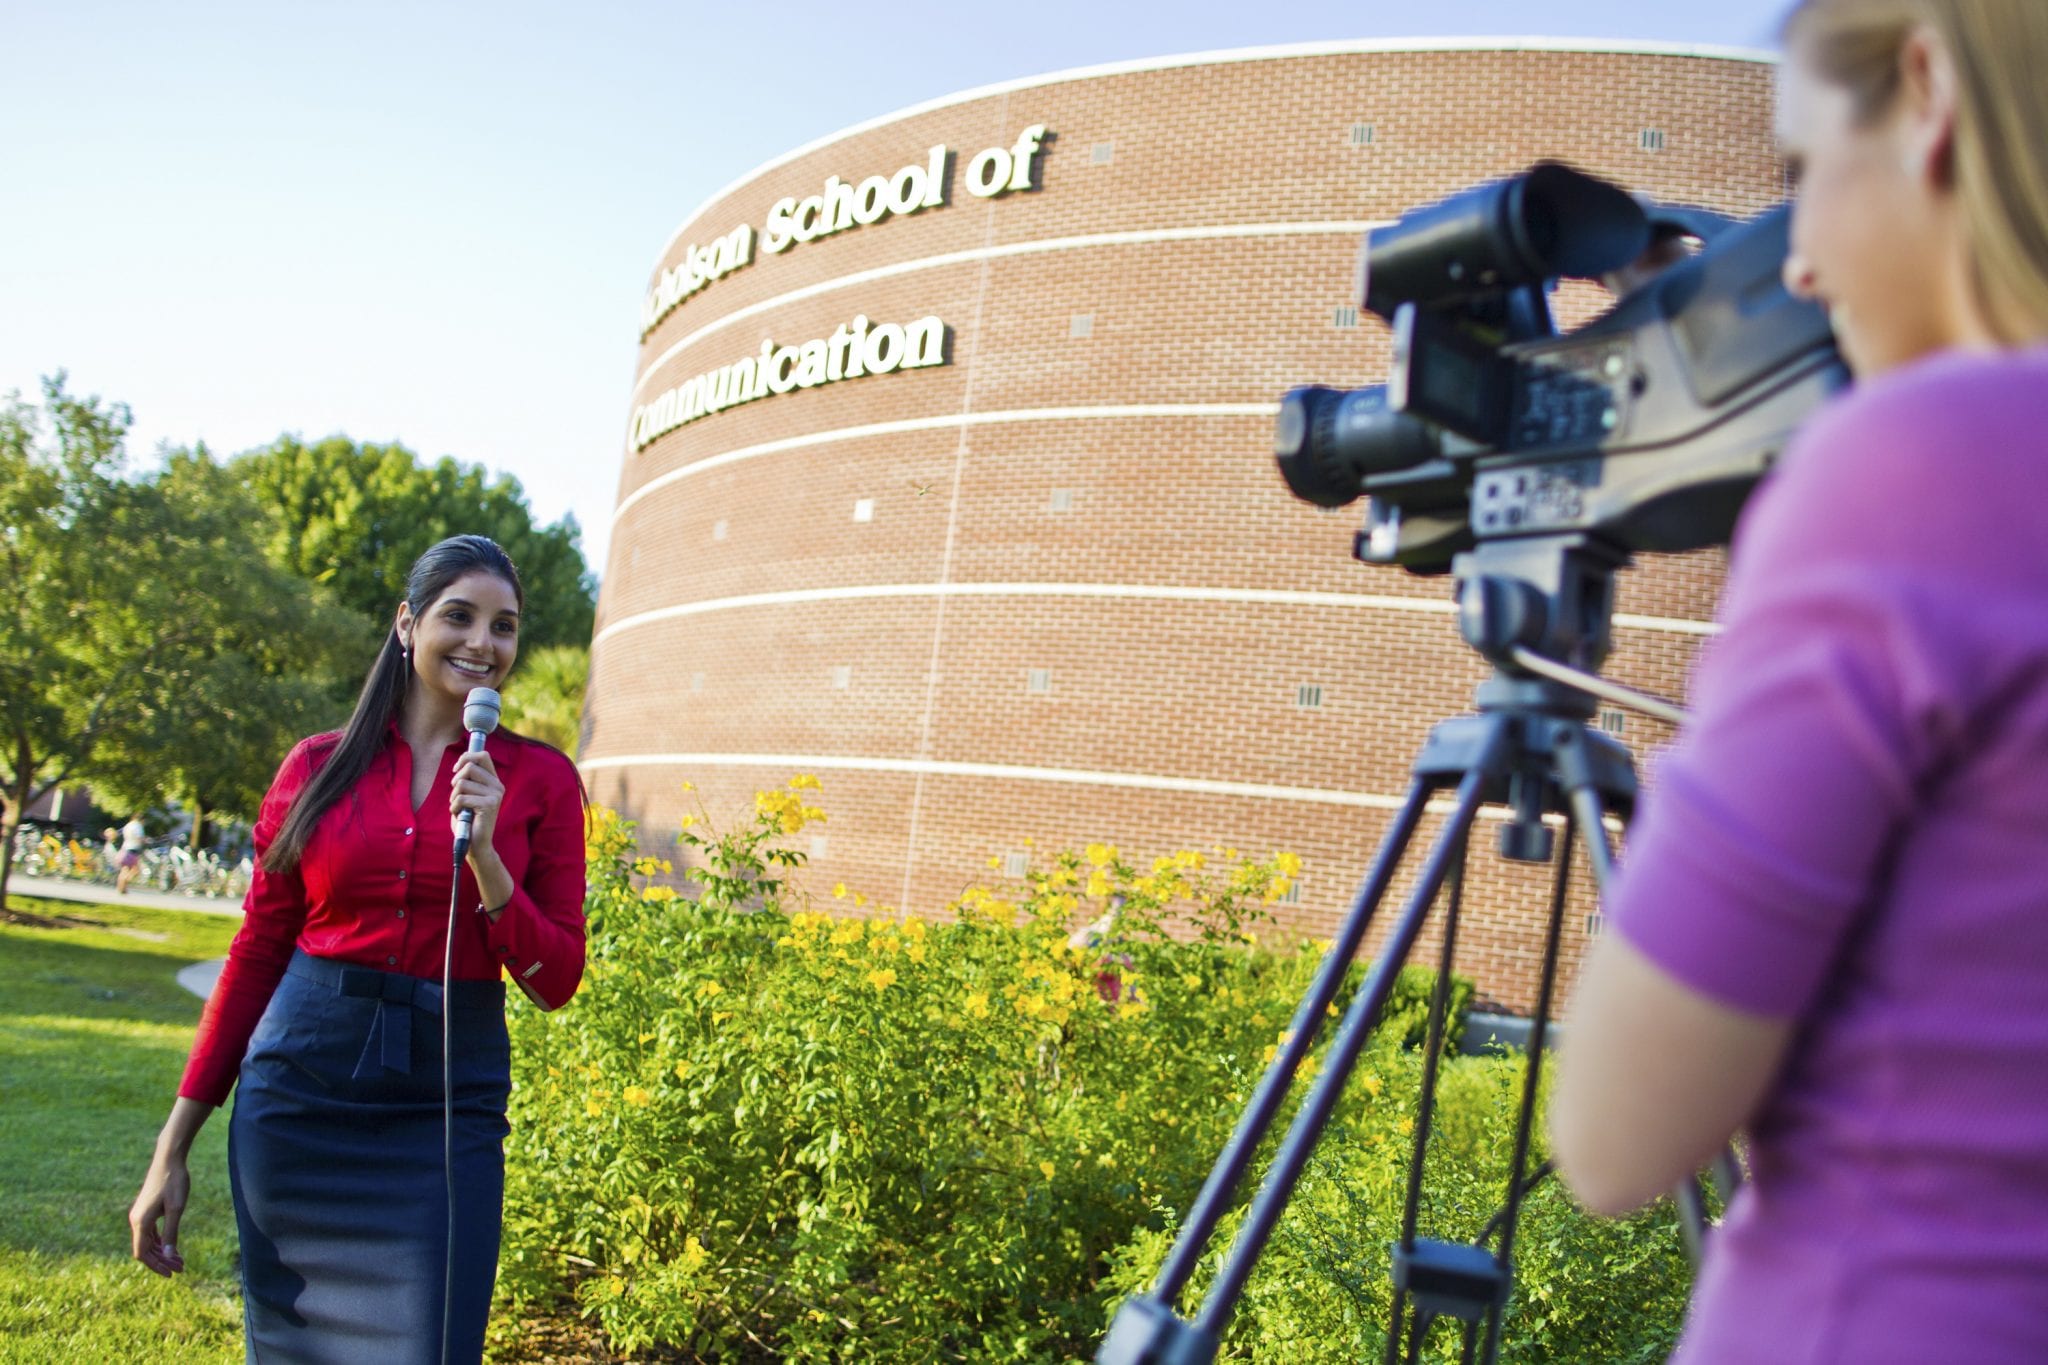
(448, 1104)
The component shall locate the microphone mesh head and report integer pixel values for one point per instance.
(480, 712)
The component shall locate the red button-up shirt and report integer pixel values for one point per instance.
(372, 889)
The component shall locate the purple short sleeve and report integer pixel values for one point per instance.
(1817, 713)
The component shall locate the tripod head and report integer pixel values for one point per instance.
(1551, 596)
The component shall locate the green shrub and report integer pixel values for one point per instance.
(1584, 1289)
(867, 1136)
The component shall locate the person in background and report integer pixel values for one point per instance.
(329, 1009)
(133, 839)
(1831, 927)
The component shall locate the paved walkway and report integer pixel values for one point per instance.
(197, 978)
(61, 889)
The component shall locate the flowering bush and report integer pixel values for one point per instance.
(833, 1131)
(1584, 1289)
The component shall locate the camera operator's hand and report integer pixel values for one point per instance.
(1662, 253)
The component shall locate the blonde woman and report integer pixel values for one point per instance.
(1832, 929)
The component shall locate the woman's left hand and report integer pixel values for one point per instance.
(476, 788)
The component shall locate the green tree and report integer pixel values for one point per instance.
(544, 700)
(143, 637)
(274, 656)
(353, 516)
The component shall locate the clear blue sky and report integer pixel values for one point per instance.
(433, 222)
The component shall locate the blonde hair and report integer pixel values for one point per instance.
(2000, 171)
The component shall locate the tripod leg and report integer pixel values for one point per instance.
(1689, 1196)
(1307, 1127)
(1258, 1116)
(1425, 1108)
(1532, 1076)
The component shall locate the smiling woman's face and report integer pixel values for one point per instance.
(468, 637)
(1868, 224)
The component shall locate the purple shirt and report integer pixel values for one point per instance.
(1852, 832)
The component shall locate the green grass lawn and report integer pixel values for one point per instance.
(94, 1029)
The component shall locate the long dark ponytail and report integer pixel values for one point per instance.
(383, 691)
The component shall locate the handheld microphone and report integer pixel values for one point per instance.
(479, 717)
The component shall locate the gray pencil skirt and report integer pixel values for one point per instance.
(335, 1155)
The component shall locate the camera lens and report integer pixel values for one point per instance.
(1329, 441)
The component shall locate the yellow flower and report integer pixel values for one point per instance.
(976, 1004)
(1288, 863)
(805, 782)
(688, 821)
(839, 891)
(594, 1104)
(859, 900)
(1048, 1170)
(995, 863)
(689, 786)
(1106, 1160)
(635, 1096)
(881, 978)
(682, 1071)
(709, 989)
(1101, 855)
(647, 1037)
(1098, 885)
(1371, 1085)
(658, 895)
(694, 1254)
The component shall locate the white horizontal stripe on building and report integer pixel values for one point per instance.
(1083, 777)
(1013, 772)
(943, 422)
(1272, 52)
(883, 272)
(1119, 591)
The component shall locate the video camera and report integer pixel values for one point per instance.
(1645, 429)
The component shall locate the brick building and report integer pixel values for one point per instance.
(947, 475)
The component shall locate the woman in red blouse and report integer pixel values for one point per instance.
(329, 1010)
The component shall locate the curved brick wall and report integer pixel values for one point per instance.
(861, 576)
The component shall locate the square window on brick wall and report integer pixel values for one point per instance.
(1081, 325)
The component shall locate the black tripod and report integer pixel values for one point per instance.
(1540, 610)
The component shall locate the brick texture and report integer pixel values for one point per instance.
(1142, 685)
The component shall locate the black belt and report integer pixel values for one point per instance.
(389, 1044)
